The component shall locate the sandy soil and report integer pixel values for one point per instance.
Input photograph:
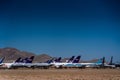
(60, 74)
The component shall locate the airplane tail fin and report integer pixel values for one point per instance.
(58, 60)
(99, 60)
(18, 60)
(1, 60)
(103, 61)
(77, 59)
(71, 59)
(29, 60)
(49, 61)
(111, 61)
(26, 60)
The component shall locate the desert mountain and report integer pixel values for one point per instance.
(12, 54)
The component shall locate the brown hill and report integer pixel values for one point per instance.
(12, 54)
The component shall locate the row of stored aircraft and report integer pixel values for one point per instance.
(72, 62)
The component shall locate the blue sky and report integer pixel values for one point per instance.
(90, 28)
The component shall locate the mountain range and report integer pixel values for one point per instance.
(11, 54)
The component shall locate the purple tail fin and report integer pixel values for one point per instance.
(58, 60)
(71, 59)
(77, 59)
(26, 60)
(29, 60)
(18, 60)
(1, 60)
(49, 61)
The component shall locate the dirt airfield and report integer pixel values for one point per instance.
(60, 74)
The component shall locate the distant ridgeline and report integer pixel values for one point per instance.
(12, 54)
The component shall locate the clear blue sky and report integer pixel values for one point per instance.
(90, 28)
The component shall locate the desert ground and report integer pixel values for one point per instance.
(60, 74)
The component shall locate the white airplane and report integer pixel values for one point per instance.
(93, 64)
(100, 64)
(27, 62)
(75, 63)
(18, 63)
(109, 65)
(69, 63)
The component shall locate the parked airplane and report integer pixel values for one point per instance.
(71, 62)
(27, 62)
(74, 63)
(93, 64)
(109, 65)
(18, 63)
(114, 65)
(99, 64)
